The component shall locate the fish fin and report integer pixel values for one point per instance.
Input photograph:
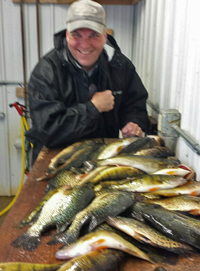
(194, 193)
(26, 241)
(94, 223)
(153, 189)
(195, 212)
(61, 227)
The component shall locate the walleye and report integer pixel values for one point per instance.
(100, 240)
(62, 157)
(114, 148)
(104, 205)
(108, 173)
(191, 188)
(102, 260)
(176, 226)
(59, 210)
(144, 163)
(23, 266)
(147, 234)
(145, 183)
(183, 203)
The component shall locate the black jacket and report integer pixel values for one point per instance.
(60, 106)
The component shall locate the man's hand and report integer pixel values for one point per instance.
(131, 129)
(104, 100)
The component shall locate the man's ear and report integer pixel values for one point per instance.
(67, 34)
(105, 37)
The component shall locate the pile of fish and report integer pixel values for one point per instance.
(131, 196)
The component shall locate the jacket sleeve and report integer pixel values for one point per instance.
(53, 123)
(133, 107)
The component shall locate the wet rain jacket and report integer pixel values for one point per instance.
(60, 106)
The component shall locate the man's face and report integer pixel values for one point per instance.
(85, 46)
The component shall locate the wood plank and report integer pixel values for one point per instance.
(103, 2)
(30, 195)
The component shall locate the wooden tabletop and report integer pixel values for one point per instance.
(30, 195)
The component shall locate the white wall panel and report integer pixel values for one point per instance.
(167, 55)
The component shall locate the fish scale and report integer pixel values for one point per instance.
(59, 210)
(95, 213)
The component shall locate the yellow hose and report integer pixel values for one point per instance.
(23, 123)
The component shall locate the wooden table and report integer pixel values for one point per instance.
(31, 193)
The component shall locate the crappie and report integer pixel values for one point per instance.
(108, 173)
(183, 203)
(192, 188)
(99, 240)
(22, 266)
(104, 205)
(102, 260)
(59, 210)
(146, 234)
(32, 217)
(146, 183)
(176, 226)
(64, 177)
(144, 163)
(114, 148)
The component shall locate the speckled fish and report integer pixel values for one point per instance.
(64, 177)
(183, 203)
(23, 266)
(157, 151)
(114, 148)
(146, 183)
(104, 205)
(109, 173)
(144, 163)
(32, 217)
(99, 240)
(102, 260)
(192, 188)
(146, 234)
(176, 226)
(59, 210)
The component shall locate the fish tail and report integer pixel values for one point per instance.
(26, 241)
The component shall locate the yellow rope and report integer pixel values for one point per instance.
(23, 123)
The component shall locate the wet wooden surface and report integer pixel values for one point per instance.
(30, 195)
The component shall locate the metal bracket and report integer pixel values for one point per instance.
(2, 115)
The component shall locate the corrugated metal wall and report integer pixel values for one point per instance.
(166, 52)
(160, 36)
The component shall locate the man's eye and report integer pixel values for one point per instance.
(94, 35)
(76, 35)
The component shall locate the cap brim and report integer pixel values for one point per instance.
(97, 27)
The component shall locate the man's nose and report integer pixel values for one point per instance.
(85, 42)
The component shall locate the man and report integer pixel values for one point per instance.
(77, 92)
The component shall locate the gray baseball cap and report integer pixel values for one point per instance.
(86, 14)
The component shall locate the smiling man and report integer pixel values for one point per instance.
(77, 91)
